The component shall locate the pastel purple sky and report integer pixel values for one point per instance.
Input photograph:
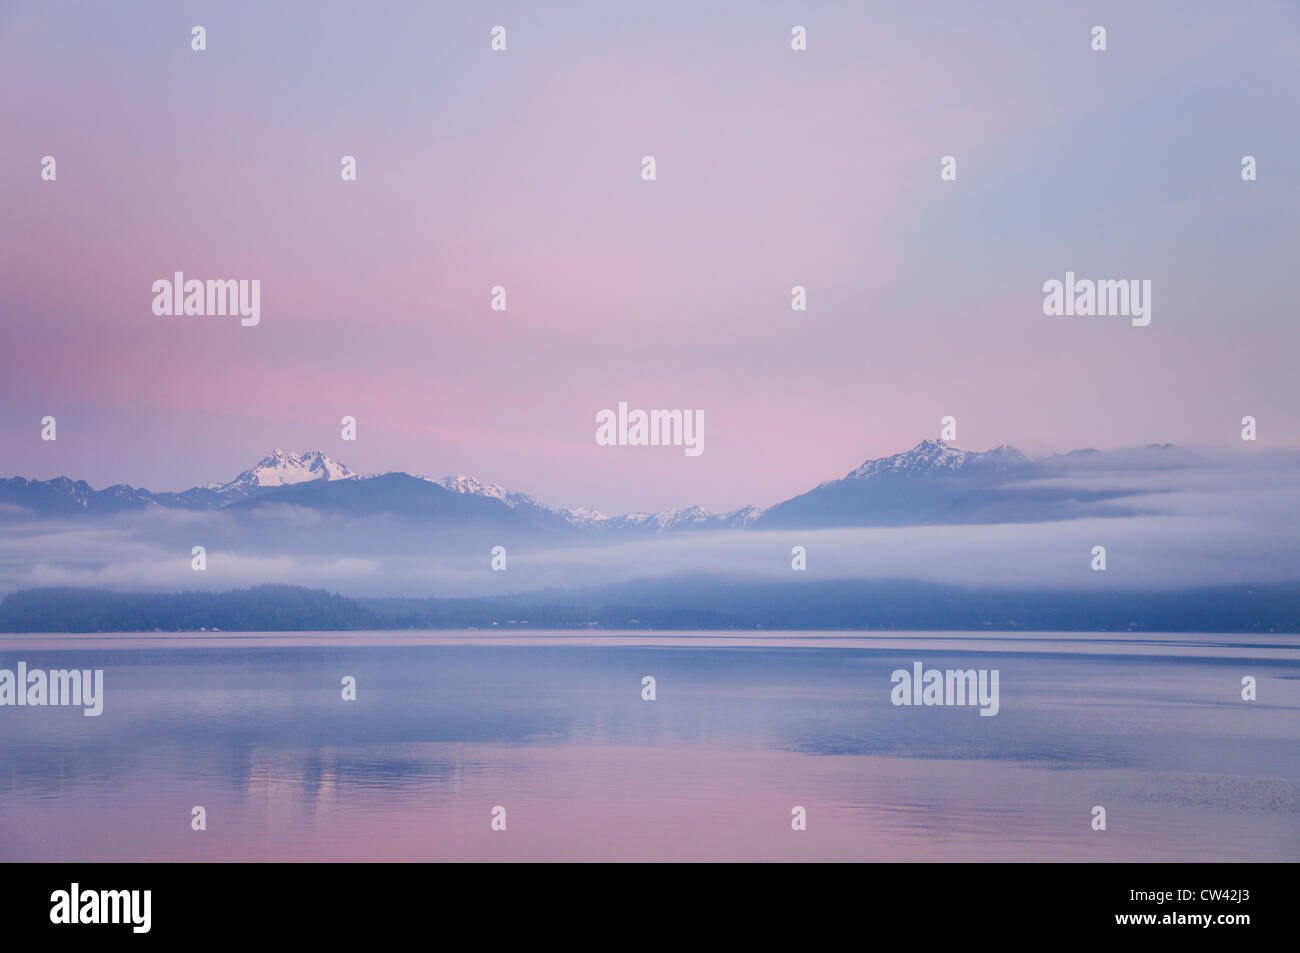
(522, 169)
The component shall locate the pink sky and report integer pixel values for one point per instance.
(522, 169)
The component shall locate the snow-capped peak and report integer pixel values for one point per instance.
(282, 468)
(935, 456)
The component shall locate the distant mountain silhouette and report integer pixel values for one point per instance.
(931, 483)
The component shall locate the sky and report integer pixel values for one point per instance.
(522, 169)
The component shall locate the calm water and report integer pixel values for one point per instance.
(552, 727)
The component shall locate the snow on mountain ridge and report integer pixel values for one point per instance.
(460, 483)
(582, 514)
(586, 517)
(933, 456)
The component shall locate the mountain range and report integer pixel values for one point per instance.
(933, 483)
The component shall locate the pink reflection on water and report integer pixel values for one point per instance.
(593, 803)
